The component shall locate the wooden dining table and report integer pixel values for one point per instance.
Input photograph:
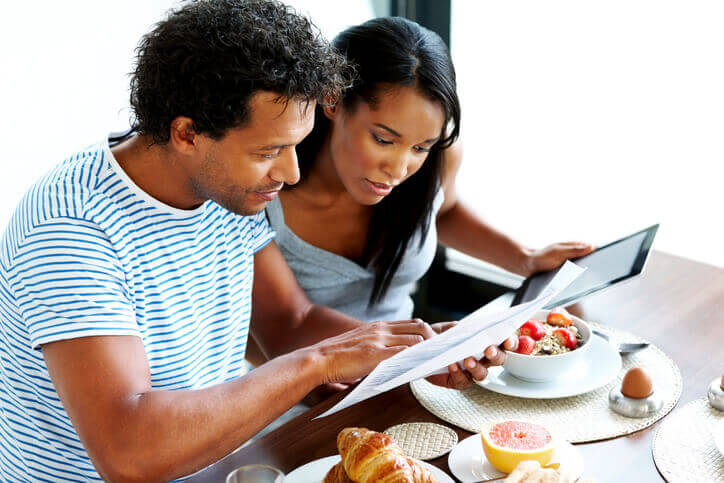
(677, 304)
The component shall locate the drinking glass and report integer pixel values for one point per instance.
(255, 474)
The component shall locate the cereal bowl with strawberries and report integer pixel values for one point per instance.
(550, 344)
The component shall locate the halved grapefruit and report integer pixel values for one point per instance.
(508, 443)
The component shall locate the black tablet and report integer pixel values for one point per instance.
(608, 265)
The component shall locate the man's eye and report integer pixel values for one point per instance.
(380, 140)
(270, 155)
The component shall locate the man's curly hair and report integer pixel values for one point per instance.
(208, 58)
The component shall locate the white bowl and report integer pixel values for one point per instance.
(546, 368)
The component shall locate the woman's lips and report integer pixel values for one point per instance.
(380, 189)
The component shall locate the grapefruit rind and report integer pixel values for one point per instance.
(506, 459)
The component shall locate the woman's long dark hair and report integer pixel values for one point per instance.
(389, 52)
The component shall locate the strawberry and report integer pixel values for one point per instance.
(533, 329)
(525, 345)
(565, 338)
(559, 317)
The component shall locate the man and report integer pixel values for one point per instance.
(126, 274)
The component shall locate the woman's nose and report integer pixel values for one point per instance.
(397, 168)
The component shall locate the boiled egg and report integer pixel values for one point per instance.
(637, 383)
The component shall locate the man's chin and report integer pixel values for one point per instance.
(250, 211)
(244, 209)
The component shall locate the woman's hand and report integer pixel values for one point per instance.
(553, 256)
(475, 370)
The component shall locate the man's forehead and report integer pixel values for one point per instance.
(275, 120)
(266, 106)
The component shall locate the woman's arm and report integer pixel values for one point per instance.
(459, 228)
(283, 319)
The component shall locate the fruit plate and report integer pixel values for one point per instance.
(314, 471)
(468, 463)
(600, 366)
(719, 436)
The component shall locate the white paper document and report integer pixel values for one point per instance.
(468, 338)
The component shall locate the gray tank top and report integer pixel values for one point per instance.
(338, 282)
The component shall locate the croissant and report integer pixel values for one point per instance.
(337, 475)
(368, 456)
(420, 473)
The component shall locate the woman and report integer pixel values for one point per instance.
(377, 189)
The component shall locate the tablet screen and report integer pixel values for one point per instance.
(610, 264)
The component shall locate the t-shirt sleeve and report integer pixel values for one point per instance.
(68, 283)
(261, 232)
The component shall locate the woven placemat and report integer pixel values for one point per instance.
(578, 419)
(684, 445)
(423, 441)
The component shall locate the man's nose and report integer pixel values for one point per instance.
(286, 169)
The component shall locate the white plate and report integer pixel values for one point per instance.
(719, 436)
(601, 365)
(314, 471)
(468, 463)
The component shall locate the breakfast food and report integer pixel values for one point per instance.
(369, 456)
(337, 475)
(508, 443)
(637, 383)
(545, 338)
(565, 338)
(560, 318)
(722, 382)
(533, 329)
(531, 472)
(526, 345)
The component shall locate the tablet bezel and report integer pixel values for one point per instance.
(636, 270)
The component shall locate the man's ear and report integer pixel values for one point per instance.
(183, 138)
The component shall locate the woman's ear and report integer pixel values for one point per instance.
(331, 111)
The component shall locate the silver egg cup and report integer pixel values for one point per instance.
(716, 395)
(633, 407)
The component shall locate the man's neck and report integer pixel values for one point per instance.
(153, 169)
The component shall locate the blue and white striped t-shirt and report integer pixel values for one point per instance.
(89, 253)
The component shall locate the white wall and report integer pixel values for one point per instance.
(581, 119)
(64, 76)
(64, 82)
(589, 120)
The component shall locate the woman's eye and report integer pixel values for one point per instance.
(420, 149)
(380, 140)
